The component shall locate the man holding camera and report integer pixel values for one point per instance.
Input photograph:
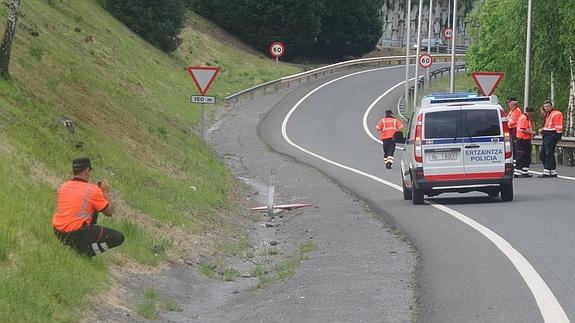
(79, 202)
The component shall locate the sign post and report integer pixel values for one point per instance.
(487, 82)
(277, 50)
(203, 77)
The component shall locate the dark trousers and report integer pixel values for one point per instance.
(523, 155)
(388, 149)
(513, 137)
(92, 239)
(547, 154)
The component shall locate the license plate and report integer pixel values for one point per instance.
(442, 156)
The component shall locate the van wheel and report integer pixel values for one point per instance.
(416, 196)
(406, 191)
(507, 192)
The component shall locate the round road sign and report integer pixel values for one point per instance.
(277, 49)
(448, 33)
(425, 60)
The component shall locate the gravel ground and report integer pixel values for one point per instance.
(360, 271)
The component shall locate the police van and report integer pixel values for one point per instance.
(457, 142)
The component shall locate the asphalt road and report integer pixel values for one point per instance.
(463, 276)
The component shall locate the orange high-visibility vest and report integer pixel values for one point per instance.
(524, 123)
(554, 121)
(388, 126)
(513, 117)
(77, 201)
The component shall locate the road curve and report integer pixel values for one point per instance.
(463, 276)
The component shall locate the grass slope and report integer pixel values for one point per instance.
(129, 102)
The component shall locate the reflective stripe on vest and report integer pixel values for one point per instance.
(83, 211)
(524, 124)
(554, 121)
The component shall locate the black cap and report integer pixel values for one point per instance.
(80, 164)
(529, 109)
(511, 98)
(388, 112)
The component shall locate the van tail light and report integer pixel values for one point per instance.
(506, 136)
(418, 151)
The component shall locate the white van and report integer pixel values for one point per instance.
(457, 142)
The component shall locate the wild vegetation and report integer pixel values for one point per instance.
(499, 29)
(333, 29)
(126, 106)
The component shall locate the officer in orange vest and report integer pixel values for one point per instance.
(387, 127)
(79, 202)
(512, 118)
(551, 132)
(524, 135)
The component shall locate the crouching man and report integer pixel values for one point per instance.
(79, 202)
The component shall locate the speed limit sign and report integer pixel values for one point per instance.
(425, 60)
(448, 33)
(277, 49)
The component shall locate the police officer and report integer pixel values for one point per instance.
(512, 117)
(79, 202)
(387, 128)
(524, 135)
(551, 132)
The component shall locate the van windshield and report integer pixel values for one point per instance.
(462, 123)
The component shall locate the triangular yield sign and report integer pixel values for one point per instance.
(203, 77)
(487, 82)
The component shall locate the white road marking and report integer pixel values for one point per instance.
(549, 307)
(564, 177)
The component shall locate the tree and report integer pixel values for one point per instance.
(9, 33)
(296, 23)
(349, 27)
(498, 29)
(158, 22)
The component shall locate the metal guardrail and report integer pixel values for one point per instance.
(565, 152)
(286, 82)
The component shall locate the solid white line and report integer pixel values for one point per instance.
(550, 308)
(564, 177)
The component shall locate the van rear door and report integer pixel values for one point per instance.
(442, 149)
(483, 143)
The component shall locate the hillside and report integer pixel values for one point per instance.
(129, 105)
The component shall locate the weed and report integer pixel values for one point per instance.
(258, 270)
(218, 271)
(170, 306)
(147, 308)
(37, 51)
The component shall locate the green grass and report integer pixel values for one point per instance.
(286, 268)
(147, 308)
(218, 270)
(129, 102)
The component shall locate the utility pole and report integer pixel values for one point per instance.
(417, 52)
(430, 25)
(9, 33)
(527, 91)
(452, 85)
(408, 24)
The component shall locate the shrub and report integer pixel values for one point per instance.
(158, 22)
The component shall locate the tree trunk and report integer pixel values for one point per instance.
(9, 33)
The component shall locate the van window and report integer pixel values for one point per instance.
(481, 123)
(462, 123)
(442, 124)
